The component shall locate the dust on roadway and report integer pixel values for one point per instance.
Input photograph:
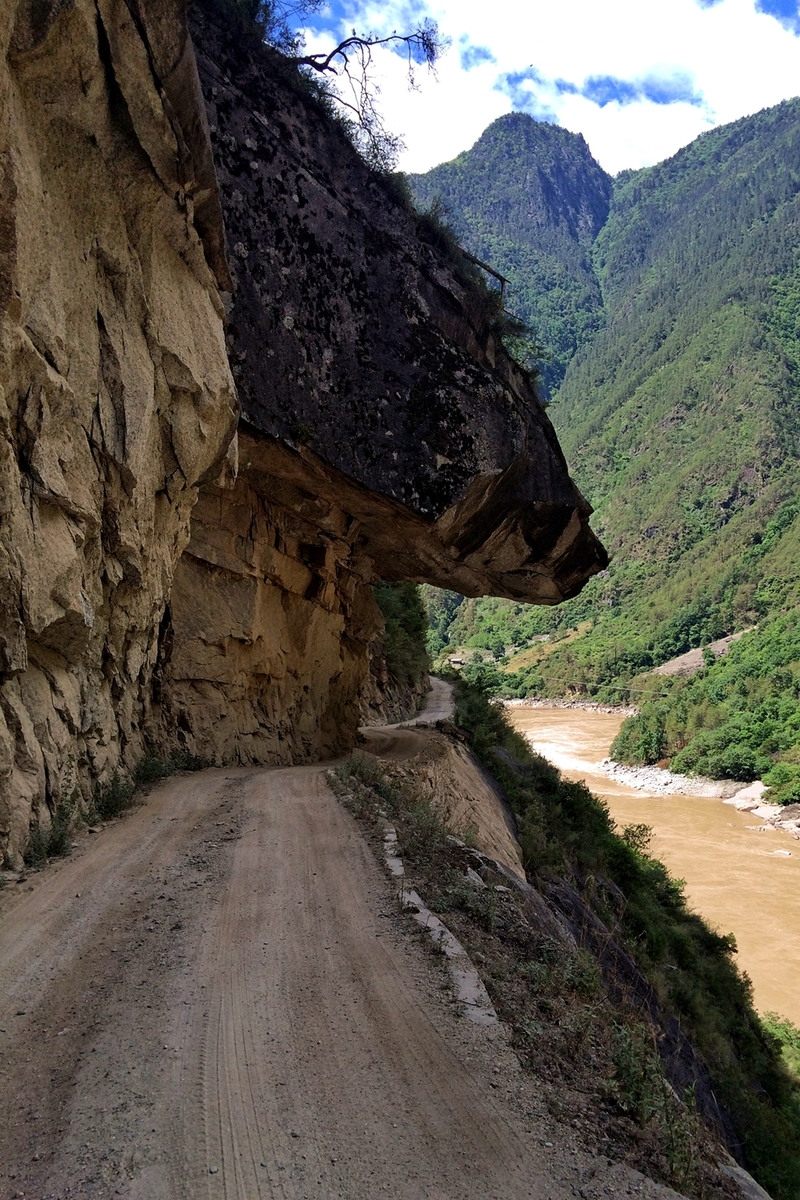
(218, 996)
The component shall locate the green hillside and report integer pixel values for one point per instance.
(684, 407)
(529, 200)
(739, 718)
(679, 415)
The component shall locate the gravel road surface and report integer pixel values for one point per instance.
(217, 996)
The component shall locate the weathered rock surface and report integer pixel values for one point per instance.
(386, 431)
(115, 394)
(385, 434)
(272, 620)
(386, 699)
(272, 653)
(354, 341)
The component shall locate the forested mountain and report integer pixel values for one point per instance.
(679, 414)
(529, 199)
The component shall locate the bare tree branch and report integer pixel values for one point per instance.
(345, 73)
(424, 45)
(351, 62)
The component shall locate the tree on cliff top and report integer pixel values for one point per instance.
(355, 89)
(346, 72)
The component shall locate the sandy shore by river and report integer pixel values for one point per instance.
(624, 710)
(660, 782)
(746, 797)
(656, 781)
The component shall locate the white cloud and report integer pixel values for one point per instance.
(738, 60)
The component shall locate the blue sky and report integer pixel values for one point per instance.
(638, 78)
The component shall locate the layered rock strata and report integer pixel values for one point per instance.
(116, 397)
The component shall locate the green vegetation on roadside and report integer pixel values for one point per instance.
(404, 638)
(55, 842)
(566, 832)
(121, 791)
(565, 1025)
(110, 800)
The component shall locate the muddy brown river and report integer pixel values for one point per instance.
(733, 876)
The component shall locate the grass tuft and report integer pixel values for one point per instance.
(55, 842)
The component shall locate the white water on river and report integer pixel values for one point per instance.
(733, 876)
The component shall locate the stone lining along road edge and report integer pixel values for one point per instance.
(467, 983)
(469, 988)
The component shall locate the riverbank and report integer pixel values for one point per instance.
(657, 781)
(745, 797)
(742, 873)
(776, 816)
(621, 710)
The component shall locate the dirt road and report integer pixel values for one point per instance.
(218, 997)
(438, 705)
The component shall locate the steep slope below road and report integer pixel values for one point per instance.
(448, 771)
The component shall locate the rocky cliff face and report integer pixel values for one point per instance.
(385, 431)
(271, 620)
(115, 394)
(357, 348)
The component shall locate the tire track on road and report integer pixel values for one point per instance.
(242, 990)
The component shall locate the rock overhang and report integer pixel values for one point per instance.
(498, 539)
(364, 359)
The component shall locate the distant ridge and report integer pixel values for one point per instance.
(530, 199)
(679, 410)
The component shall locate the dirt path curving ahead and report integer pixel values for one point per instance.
(218, 998)
(439, 704)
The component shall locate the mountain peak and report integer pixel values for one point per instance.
(530, 199)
